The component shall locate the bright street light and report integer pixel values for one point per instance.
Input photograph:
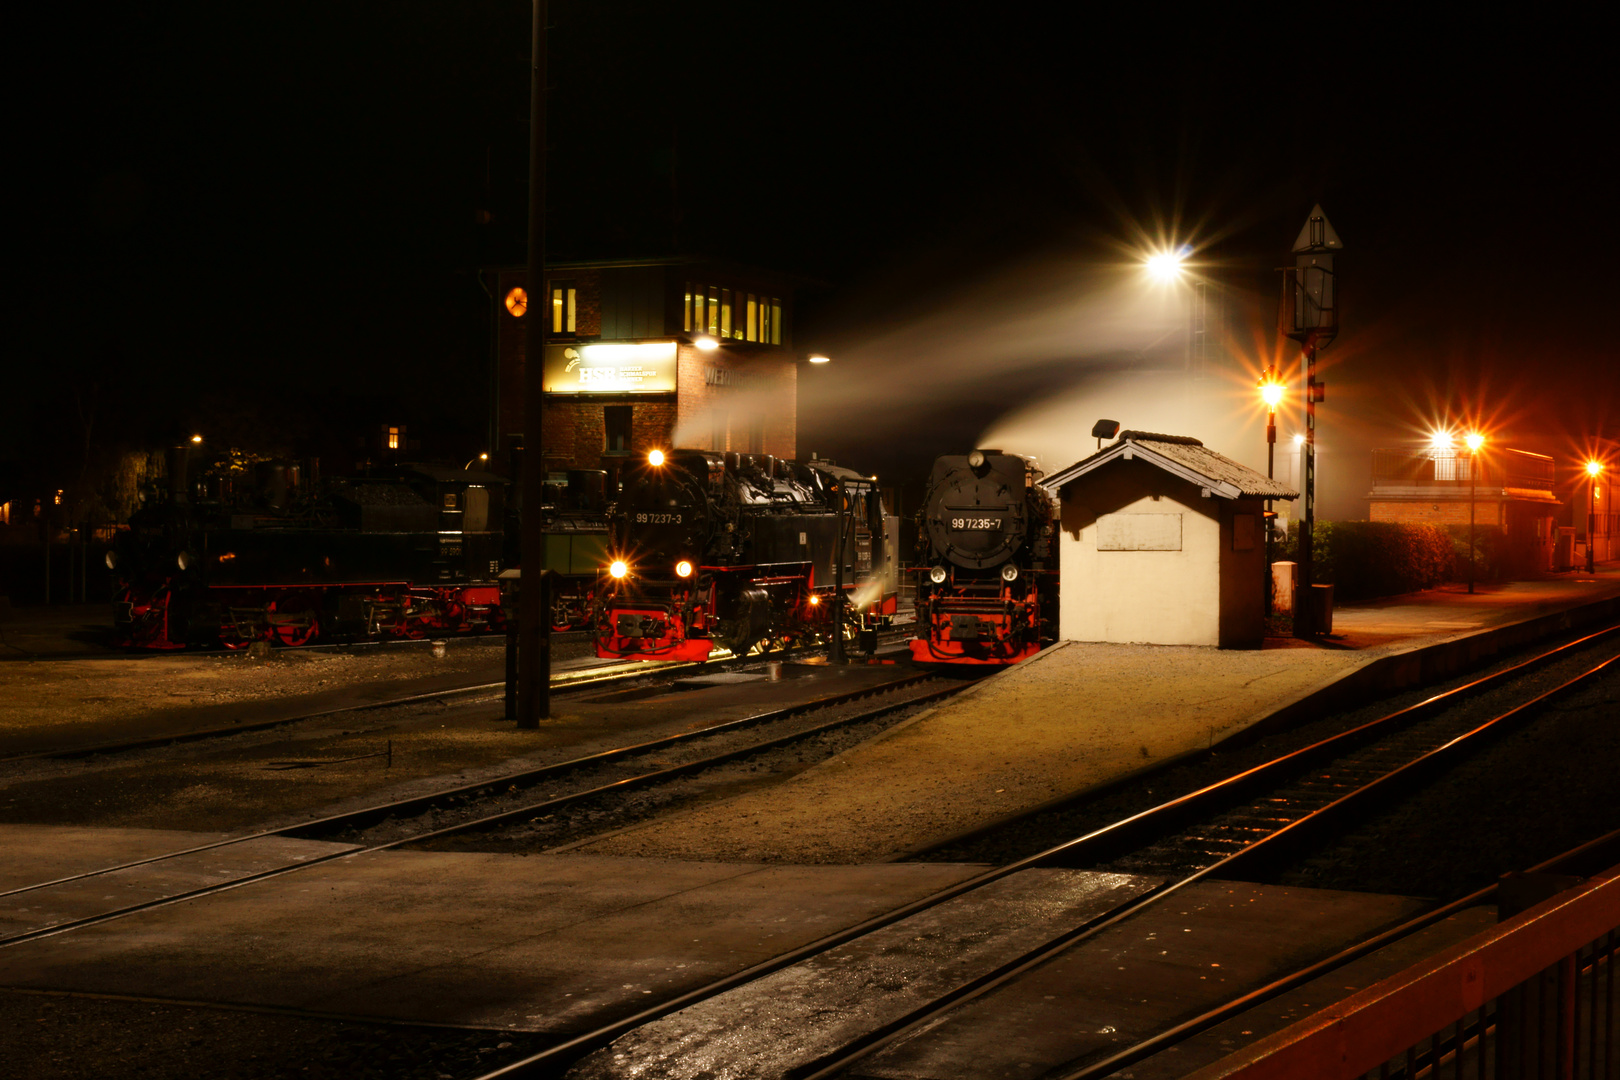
(1165, 266)
(819, 359)
(1593, 468)
(1475, 441)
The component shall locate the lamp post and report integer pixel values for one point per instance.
(1475, 441)
(534, 614)
(1593, 468)
(1310, 315)
(1271, 392)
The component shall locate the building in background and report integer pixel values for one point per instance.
(1511, 491)
(648, 354)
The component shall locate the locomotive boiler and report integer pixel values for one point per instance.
(730, 550)
(987, 548)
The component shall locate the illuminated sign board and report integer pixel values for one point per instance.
(640, 368)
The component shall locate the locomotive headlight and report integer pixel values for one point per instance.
(937, 575)
(683, 569)
(111, 560)
(183, 560)
(618, 569)
(1009, 572)
(976, 460)
(655, 458)
(815, 601)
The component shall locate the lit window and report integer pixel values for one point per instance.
(393, 438)
(753, 319)
(58, 496)
(699, 319)
(714, 309)
(687, 324)
(562, 307)
(776, 321)
(725, 313)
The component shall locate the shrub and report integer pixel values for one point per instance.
(1366, 559)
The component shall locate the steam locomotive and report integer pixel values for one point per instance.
(741, 550)
(987, 583)
(264, 550)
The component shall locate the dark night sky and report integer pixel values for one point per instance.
(263, 219)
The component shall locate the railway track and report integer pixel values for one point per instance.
(563, 683)
(603, 775)
(1227, 829)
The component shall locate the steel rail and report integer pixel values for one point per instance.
(628, 783)
(1113, 834)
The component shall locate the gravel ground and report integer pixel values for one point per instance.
(63, 697)
(51, 1036)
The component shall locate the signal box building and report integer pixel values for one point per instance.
(1510, 491)
(1162, 541)
(649, 354)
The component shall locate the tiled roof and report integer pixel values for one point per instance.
(1183, 456)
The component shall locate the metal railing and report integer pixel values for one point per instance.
(1532, 997)
(1491, 468)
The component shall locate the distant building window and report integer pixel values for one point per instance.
(731, 313)
(393, 438)
(563, 298)
(616, 424)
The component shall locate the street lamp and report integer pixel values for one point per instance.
(1593, 468)
(1475, 440)
(1165, 266)
(1271, 392)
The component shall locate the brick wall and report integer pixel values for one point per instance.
(749, 385)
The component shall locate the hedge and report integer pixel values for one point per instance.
(1367, 559)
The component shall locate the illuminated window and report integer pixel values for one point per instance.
(776, 321)
(714, 309)
(753, 318)
(58, 496)
(563, 295)
(393, 438)
(725, 313)
(5, 513)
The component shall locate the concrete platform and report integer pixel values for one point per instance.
(555, 943)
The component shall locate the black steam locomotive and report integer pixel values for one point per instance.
(734, 550)
(987, 583)
(248, 551)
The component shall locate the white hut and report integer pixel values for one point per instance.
(1163, 541)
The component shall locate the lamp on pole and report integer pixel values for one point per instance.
(1310, 316)
(1593, 468)
(1271, 392)
(1475, 441)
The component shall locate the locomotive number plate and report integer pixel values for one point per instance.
(658, 519)
(975, 523)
